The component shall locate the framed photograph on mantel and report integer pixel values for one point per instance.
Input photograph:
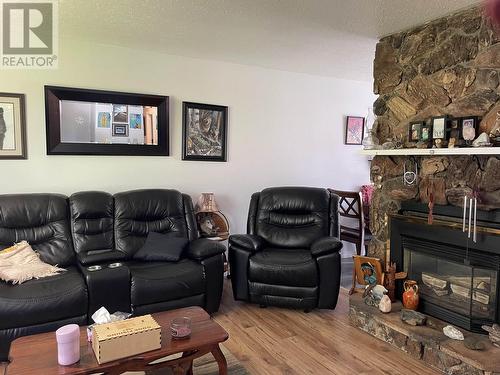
(12, 126)
(204, 132)
(354, 130)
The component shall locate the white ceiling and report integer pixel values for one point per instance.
(323, 37)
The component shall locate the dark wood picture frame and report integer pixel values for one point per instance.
(22, 153)
(53, 96)
(346, 139)
(186, 106)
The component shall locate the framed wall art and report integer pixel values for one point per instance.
(95, 122)
(354, 130)
(12, 126)
(204, 132)
(415, 134)
(439, 127)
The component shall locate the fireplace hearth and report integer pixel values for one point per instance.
(457, 277)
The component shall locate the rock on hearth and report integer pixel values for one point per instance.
(413, 318)
(453, 333)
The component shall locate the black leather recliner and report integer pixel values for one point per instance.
(290, 256)
(96, 228)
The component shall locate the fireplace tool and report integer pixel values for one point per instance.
(471, 227)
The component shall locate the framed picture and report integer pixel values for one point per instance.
(415, 134)
(120, 130)
(354, 130)
(469, 128)
(426, 132)
(95, 122)
(439, 127)
(204, 132)
(12, 126)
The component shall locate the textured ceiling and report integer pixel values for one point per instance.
(324, 37)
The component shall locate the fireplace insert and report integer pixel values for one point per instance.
(457, 277)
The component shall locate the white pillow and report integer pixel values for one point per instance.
(21, 263)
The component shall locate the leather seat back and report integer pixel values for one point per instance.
(40, 219)
(292, 217)
(139, 212)
(92, 227)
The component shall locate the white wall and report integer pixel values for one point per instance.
(284, 128)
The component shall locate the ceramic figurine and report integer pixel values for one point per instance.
(410, 295)
(385, 304)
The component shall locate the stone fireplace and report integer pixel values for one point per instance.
(450, 66)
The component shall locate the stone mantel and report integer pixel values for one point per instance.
(434, 151)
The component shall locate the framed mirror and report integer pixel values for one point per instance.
(94, 122)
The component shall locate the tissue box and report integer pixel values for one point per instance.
(125, 338)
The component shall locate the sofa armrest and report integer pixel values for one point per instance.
(326, 245)
(249, 242)
(203, 248)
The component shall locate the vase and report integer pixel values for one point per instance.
(410, 295)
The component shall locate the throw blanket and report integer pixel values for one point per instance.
(21, 263)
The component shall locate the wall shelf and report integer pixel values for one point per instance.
(434, 151)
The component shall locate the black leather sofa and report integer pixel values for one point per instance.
(290, 256)
(96, 228)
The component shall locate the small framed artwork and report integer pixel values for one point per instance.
(120, 130)
(469, 128)
(354, 130)
(439, 127)
(416, 131)
(426, 132)
(204, 132)
(12, 126)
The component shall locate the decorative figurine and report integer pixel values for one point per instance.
(410, 295)
(385, 304)
(390, 280)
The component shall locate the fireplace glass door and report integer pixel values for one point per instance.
(470, 291)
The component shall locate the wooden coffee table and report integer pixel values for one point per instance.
(37, 354)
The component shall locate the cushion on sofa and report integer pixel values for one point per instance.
(153, 282)
(43, 300)
(162, 247)
(20, 263)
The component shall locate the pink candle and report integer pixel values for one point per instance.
(68, 344)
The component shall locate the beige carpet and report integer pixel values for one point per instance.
(207, 365)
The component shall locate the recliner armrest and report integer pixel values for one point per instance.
(203, 248)
(326, 245)
(250, 242)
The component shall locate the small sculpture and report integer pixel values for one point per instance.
(373, 294)
(481, 141)
(390, 280)
(385, 304)
(453, 333)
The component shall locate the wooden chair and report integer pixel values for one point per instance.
(353, 228)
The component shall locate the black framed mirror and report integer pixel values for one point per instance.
(95, 122)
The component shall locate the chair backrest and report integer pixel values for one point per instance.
(40, 219)
(139, 212)
(351, 207)
(293, 217)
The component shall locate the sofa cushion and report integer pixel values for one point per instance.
(92, 227)
(291, 267)
(162, 247)
(44, 300)
(40, 219)
(153, 282)
(139, 212)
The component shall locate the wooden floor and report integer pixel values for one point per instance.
(280, 341)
